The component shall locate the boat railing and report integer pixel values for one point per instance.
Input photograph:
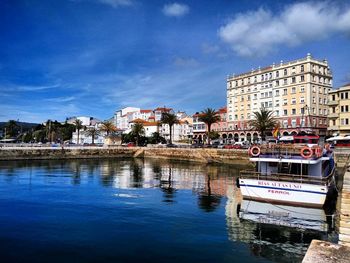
(287, 151)
(297, 178)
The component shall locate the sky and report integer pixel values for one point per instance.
(63, 58)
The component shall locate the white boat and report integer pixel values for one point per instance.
(284, 215)
(293, 174)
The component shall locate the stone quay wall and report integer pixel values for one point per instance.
(228, 156)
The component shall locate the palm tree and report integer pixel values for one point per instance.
(108, 127)
(263, 121)
(93, 132)
(137, 131)
(170, 119)
(209, 116)
(78, 126)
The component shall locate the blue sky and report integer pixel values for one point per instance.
(91, 57)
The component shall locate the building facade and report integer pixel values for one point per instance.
(339, 111)
(296, 92)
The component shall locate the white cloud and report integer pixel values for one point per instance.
(116, 3)
(61, 99)
(186, 62)
(259, 32)
(175, 9)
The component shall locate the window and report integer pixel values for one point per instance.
(285, 72)
(262, 95)
(346, 95)
(342, 121)
(313, 89)
(302, 68)
(302, 111)
(302, 78)
(270, 94)
(346, 121)
(293, 79)
(293, 90)
(277, 113)
(277, 83)
(277, 74)
(342, 96)
(277, 92)
(313, 100)
(285, 82)
(320, 101)
(285, 112)
(325, 112)
(302, 100)
(341, 108)
(285, 91)
(294, 111)
(294, 101)
(285, 102)
(302, 89)
(333, 97)
(325, 101)
(255, 96)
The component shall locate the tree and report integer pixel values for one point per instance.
(156, 138)
(170, 119)
(214, 135)
(27, 137)
(108, 127)
(209, 116)
(137, 131)
(263, 121)
(93, 132)
(11, 129)
(78, 126)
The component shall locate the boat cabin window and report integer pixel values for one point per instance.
(282, 168)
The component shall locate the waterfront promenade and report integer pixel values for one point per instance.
(203, 155)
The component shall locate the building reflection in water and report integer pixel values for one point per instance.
(271, 232)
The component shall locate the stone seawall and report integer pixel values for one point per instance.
(232, 156)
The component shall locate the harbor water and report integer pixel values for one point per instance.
(133, 210)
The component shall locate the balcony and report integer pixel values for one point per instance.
(333, 115)
(332, 103)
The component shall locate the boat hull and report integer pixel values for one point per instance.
(300, 194)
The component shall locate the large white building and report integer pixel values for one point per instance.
(296, 92)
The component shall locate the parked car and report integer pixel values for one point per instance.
(171, 145)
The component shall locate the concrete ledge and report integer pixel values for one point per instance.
(326, 252)
(227, 156)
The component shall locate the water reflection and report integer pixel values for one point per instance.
(269, 232)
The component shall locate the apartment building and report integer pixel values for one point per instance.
(296, 92)
(339, 111)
